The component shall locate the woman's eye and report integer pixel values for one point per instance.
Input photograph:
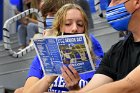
(81, 25)
(67, 24)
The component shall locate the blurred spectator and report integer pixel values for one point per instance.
(28, 26)
(49, 8)
(101, 6)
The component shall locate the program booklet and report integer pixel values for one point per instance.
(56, 51)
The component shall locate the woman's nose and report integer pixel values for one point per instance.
(74, 28)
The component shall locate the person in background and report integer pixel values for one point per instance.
(103, 6)
(100, 7)
(28, 27)
(124, 56)
(48, 10)
(64, 23)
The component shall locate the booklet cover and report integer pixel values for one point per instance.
(55, 51)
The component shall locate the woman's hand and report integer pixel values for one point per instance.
(71, 77)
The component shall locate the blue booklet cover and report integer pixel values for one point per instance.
(55, 51)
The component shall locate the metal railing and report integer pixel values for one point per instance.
(6, 31)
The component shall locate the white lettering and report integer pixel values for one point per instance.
(78, 64)
(79, 39)
(55, 82)
(70, 40)
(61, 82)
(82, 83)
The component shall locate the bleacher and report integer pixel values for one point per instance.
(13, 70)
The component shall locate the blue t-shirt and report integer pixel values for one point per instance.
(59, 85)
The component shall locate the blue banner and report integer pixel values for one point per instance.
(15, 2)
(92, 7)
(1, 18)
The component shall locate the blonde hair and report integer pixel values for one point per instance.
(59, 20)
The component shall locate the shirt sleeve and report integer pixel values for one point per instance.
(35, 69)
(96, 47)
(105, 67)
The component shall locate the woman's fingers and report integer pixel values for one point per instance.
(65, 76)
(70, 76)
(75, 73)
(69, 72)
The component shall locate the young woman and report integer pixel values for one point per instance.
(70, 19)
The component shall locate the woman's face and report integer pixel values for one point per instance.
(74, 22)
